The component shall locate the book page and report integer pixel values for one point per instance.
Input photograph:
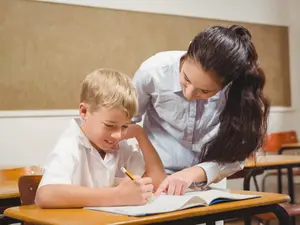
(214, 194)
(161, 204)
(169, 203)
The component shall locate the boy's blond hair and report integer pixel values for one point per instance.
(110, 89)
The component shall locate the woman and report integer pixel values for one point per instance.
(204, 109)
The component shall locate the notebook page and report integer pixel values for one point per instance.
(212, 194)
(163, 203)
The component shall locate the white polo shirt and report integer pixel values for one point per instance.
(75, 161)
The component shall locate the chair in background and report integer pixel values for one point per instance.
(9, 177)
(278, 143)
(28, 185)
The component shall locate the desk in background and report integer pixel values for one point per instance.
(270, 162)
(9, 176)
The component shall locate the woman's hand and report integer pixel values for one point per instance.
(177, 183)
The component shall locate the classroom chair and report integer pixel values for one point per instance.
(278, 143)
(28, 185)
(242, 174)
(9, 176)
(275, 143)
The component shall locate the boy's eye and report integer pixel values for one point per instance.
(125, 126)
(108, 125)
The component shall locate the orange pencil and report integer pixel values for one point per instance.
(127, 173)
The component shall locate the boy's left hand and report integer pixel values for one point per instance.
(134, 131)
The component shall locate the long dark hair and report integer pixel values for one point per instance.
(230, 54)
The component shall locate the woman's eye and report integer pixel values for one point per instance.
(186, 79)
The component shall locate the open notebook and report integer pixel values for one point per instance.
(168, 203)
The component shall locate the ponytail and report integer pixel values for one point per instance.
(243, 122)
(230, 53)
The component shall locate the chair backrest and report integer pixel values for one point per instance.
(274, 141)
(28, 185)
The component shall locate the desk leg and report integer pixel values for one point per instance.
(291, 184)
(251, 173)
(247, 221)
(247, 179)
(279, 181)
(281, 214)
(291, 190)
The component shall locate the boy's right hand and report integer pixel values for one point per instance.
(135, 192)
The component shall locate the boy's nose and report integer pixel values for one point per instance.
(117, 135)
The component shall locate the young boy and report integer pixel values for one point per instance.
(85, 163)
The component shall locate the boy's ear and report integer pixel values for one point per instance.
(83, 110)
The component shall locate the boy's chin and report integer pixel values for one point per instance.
(110, 150)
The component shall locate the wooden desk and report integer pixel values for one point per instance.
(292, 145)
(272, 160)
(269, 162)
(267, 203)
(9, 176)
(9, 190)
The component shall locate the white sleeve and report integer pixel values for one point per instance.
(60, 165)
(215, 172)
(131, 157)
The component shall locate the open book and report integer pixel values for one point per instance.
(168, 203)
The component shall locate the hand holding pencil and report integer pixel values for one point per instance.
(135, 191)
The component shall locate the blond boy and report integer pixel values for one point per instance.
(85, 163)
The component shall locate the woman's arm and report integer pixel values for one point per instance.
(215, 172)
(209, 172)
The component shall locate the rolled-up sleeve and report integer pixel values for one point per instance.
(215, 172)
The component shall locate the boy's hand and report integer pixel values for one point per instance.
(134, 131)
(135, 192)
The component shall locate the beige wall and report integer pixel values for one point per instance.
(46, 49)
